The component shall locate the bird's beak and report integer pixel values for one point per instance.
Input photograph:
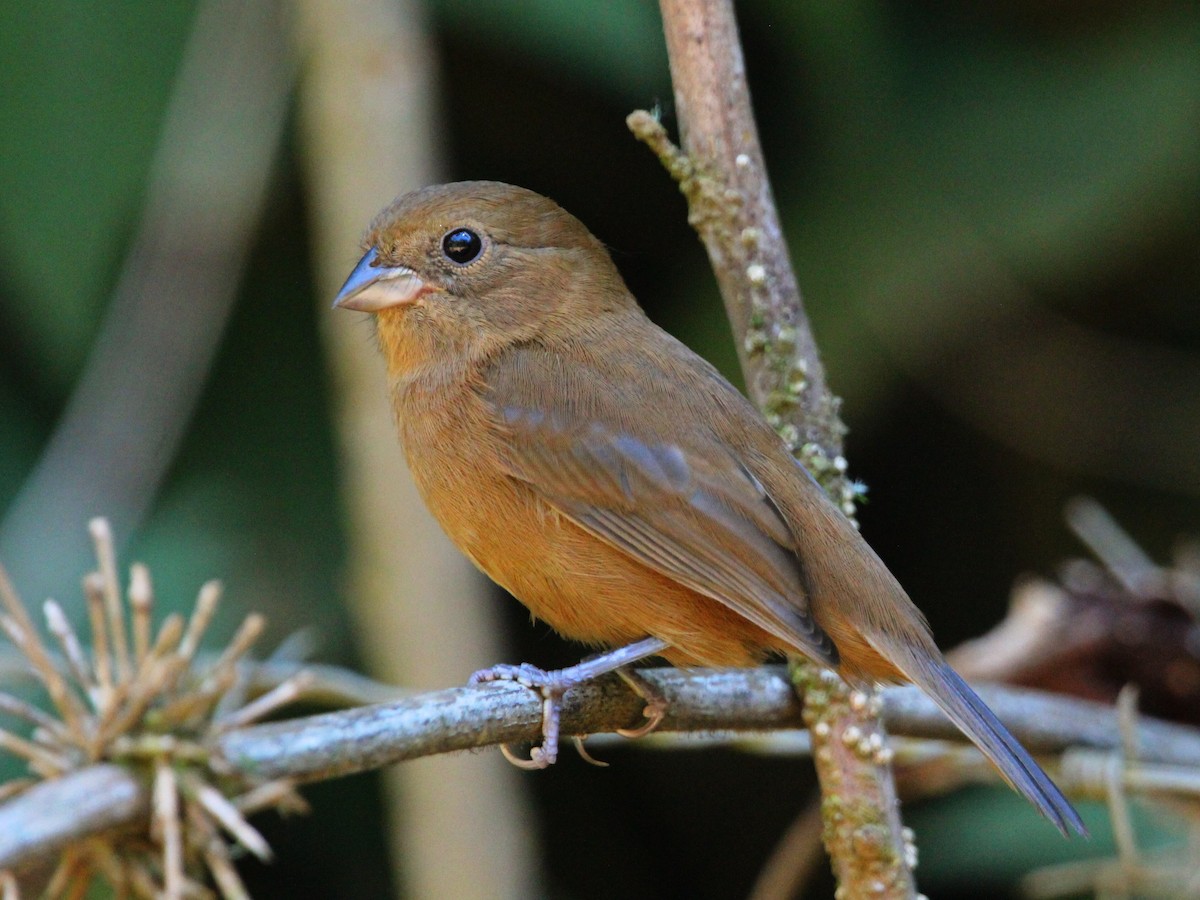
(372, 287)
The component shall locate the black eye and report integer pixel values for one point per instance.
(462, 245)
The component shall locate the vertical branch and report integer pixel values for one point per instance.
(732, 207)
(422, 614)
(722, 173)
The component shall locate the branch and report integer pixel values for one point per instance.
(722, 173)
(53, 815)
(49, 816)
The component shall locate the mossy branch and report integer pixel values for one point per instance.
(721, 171)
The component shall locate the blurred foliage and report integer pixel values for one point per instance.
(1000, 856)
(957, 181)
(86, 85)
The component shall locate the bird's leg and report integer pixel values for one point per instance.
(553, 684)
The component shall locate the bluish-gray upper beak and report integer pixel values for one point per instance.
(372, 287)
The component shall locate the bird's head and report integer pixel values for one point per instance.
(477, 265)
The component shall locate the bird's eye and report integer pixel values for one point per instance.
(462, 246)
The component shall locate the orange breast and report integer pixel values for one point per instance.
(580, 585)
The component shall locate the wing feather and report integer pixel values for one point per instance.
(680, 503)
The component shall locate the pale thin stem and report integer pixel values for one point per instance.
(166, 646)
(1118, 801)
(1113, 546)
(1118, 812)
(15, 706)
(106, 556)
(61, 695)
(231, 820)
(62, 875)
(39, 758)
(281, 795)
(225, 668)
(60, 627)
(14, 787)
(109, 865)
(1166, 779)
(139, 698)
(143, 885)
(141, 601)
(216, 855)
(270, 702)
(206, 606)
(12, 601)
(157, 674)
(80, 881)
(93, 592)
(169, 827)
(228, 881)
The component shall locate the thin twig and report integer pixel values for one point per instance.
(41, 759)
(141, 601)
(206, 606)
(60, 627)
(106, 554)
(93, 592)
(278, 697)
(69, 706)
(15, 706)
(231, 820)
(166, 820)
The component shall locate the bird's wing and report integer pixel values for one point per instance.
(681, 502)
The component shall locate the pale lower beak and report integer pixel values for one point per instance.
(372, 287)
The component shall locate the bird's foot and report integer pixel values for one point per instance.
(551, 685)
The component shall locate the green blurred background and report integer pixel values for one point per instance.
(994, 211)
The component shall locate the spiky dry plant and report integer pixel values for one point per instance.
(141, 699)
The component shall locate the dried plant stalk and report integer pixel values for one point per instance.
(149, 710)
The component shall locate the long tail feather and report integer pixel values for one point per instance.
(971, 714)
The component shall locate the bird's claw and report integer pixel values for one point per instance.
(656, 704)
(535, 761)
(585, 756)
(654, 718)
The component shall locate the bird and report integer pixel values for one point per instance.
(612, 480)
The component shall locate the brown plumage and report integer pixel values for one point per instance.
(612, 480)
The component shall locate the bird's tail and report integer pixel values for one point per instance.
(966, 710)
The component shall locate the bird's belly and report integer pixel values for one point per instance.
(583, 587)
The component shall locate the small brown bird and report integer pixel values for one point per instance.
(612, 480)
